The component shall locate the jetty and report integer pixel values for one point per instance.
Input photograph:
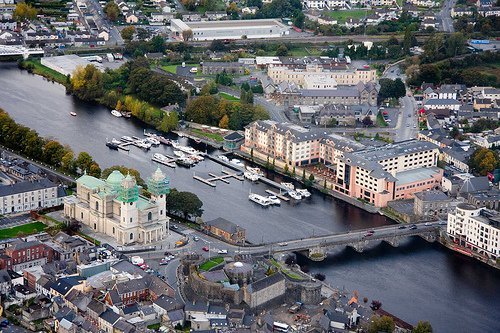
(279, 195)
(223, 178)
(133, 141)
(217, 145)
(165, 160)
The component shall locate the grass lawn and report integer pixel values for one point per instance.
(304, 51)
(380, 120)
(342, 15)
(228, 97)
(45, 71)
(26, 229)
(207, 265)
(214, 136)
(154, 326)
(173, 68)
(219, 6)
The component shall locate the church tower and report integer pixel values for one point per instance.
(159, 187)
(128, 196)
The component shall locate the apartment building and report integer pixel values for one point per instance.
(30, 195)
(20, 255)
(324, 4)
(475, 228)
(345, 77)
(296, 145)
(395, 171)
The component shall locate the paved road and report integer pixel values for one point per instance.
(444, 16)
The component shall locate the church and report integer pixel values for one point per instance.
(115, 208)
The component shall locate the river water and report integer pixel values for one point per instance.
(416, 281)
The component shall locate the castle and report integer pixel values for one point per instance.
(115, 208)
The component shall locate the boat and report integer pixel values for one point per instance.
(197, 158)
(187, 150)
(176, 144)
(261, 200)
(294, 195)
(159, 157)
(143, 144)
(116, 113)
(73, 114)
(274, 200)
(163, 140)
(303, 192)
(197, 140)
(185, 162)
(288, 186)
(115, 141)
(223, 158)
(237, 162)
(251, 176)
(112, 145)
(126, 114)
(179, 153)
(127, 138)
(256, 171)
(152, 140)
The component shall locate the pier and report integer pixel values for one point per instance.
(170, 161)
(224, 178)
(126, 143)
(200, 139)
(279, 195)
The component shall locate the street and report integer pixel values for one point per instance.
(444, 16)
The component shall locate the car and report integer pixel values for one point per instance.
(371, 231)
(196, 238)
(427, 224)
(385, 113)
(413, 227)
(167, 253)
(205, 248)
(222, 252)
(402, 227)
(174, 227)
(407, 125)
(368, 234)
(414, 126)
(443, 223)
(283, 244)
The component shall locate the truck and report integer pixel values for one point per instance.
(295, 308)
(110, 57)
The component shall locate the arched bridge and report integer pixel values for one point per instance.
(317, 247)
(17, 50)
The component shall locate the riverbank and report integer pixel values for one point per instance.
(34, 66)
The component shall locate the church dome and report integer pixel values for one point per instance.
(115, 179)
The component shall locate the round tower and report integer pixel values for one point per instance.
(159, 187)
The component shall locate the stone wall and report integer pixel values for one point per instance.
(212, 290)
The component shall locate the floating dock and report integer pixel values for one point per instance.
(224, 178)
(279, 195)
(125, 143)
(201, 140)
(170, 162)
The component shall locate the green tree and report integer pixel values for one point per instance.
(53, 153)
(381, 324)
(282, 51)
(423, 327)
(483, 160)
(157, 44)
(112, 11)
(24, 12)
(84, 161)
(68, 161)
(128, 33)
(299, 19)
(185, 203)
(87, 83)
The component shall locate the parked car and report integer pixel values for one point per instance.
(402, 227)
(283, 244)
(205, 248)
(413, 227)
(196, 238)
(222, 252)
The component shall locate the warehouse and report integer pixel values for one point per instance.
(67, 64)
(234, 29)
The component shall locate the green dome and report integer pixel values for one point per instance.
(115, 179)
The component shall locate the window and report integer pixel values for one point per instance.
(97, 205)
(113, 230)
(131, 236)
(150, 216)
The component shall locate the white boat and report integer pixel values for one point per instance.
(274, 200)
(116, 142)
(188, 150)
(175, 144)
(223, 158)
(261, 200)
(159, 157)
(288, 186)
(197, 158)
(178, 153)
(237, 162)
(256, 171)
(294, 195)
(303, 192)
(73, 114)
(152, 140)
(143, 144)
(127, 138)
(116, 113)
(251, 176)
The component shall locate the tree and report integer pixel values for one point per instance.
(157, 44)
(423, 327)
(68, 161)
(217, 45)
(143, 34)
(185, 203)
(282, 51)
(367, 121)
(127, 33)
(391, 89)
(187, 34)
(483, 160)
(381, 324)
(112, 11)
(53, 153)
(320, 276)
(84, 161)
(24, 12)
(375, 305)
(299, 19)
(87, 83)
(224, 122)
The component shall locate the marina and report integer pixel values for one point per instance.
(224, 178)
(164, 159)
(278, 195)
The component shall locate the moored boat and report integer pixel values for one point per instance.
(185, 162)
(261, 200)
(256, 171)
(274, 200)
(152, 140)
(294, 195)
(288, 186)
(223, 158)
(73, 114)
(251, 176)
(178, 153)
(116, 113)
(112, 145)
(303, 192)
(237, 162)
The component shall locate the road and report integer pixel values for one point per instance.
(101, 21)
(444, 16)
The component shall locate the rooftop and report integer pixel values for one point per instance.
(415, 175)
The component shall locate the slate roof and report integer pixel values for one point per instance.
(224, 224)
(168, 303)
(175, 315)
(64, 285)
(266, 282)
(196, 306)
(234, 136)
(442, 101)
(475, 184)
(96, 306)
(110, 317)
(431, 195)
(26, 186)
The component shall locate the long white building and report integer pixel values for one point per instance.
(230, 29)
(475, 228)
(324, 4)
(30, 195)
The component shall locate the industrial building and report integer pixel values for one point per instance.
(233, 29)
(67, 64)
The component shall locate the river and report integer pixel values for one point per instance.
(416, 281)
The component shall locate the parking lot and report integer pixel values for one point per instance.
(12, 221)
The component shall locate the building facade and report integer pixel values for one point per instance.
(115, 208)
(20, 255)
(477, 229)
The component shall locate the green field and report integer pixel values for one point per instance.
(228, 97)
(342, 15)
(25, 229)
(46, 72)
(214, 136)
(173, 68)
(209, 264)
